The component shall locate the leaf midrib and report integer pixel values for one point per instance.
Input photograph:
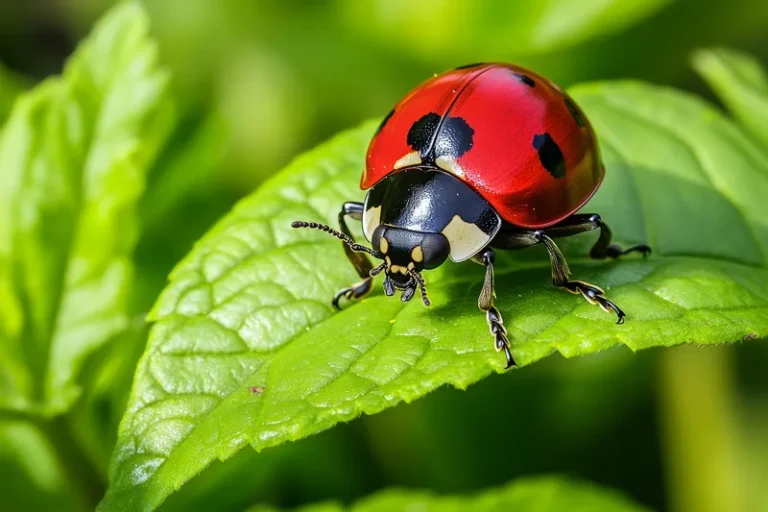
(80, 177)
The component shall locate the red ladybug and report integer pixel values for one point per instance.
(483, 157)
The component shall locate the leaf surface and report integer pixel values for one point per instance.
(742, 84)
(73, 159)
(543, 494)
(246, 349)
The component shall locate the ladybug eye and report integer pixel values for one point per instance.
(434, 250)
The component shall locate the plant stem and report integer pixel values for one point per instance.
(699, 429)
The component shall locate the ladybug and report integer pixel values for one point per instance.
(481, 158)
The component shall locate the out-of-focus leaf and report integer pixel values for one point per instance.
(189, 167)
(106, 381)
(455, 27)
(33, 476)
(543, 494)
(247, 350)
(742, 84)
(73, 159)
(11, 86)
(185, 166)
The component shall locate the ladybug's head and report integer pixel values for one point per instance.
(406, 253)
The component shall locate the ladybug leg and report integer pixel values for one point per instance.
(603, 248)
(359, 260)
(560, 278)
(492, 315)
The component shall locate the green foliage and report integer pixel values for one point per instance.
(515, 28)
(34, 478)
(11, 86)
(249, 306)
(543, 494)
(246, 349)
(741, 82)
(73, 156)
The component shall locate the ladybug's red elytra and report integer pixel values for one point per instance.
(483, 157)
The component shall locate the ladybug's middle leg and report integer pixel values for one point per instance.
(560, 278)
(485, 303)
(359, 260)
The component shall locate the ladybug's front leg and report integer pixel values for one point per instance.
(358, 259)
(485, 303)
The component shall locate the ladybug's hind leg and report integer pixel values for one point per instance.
(359, 260)
(603, 248)
(485, 303)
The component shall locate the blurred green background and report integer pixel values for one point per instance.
(256, 83)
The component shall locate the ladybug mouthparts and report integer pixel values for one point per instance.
(402, 278)
(406, 253)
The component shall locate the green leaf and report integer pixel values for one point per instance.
(249, 306)
(106, 378)
(189, 167)
(507, 28)
(542, 494)
(33, 475)
(742, 84)
(11, 86)
(73, 159)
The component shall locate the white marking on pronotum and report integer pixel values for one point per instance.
(409, 160)
(371, 220)
(451, 165)
(466, 239)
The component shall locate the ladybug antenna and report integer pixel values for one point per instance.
(341, 236)
(422, 286)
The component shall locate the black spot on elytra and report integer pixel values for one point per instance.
(550, 155)
(384, 121)
(421, 133)
(467, 66)
(525, 79)
(575, 113)
(453, 140)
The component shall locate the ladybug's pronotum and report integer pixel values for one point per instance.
(483, 157)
